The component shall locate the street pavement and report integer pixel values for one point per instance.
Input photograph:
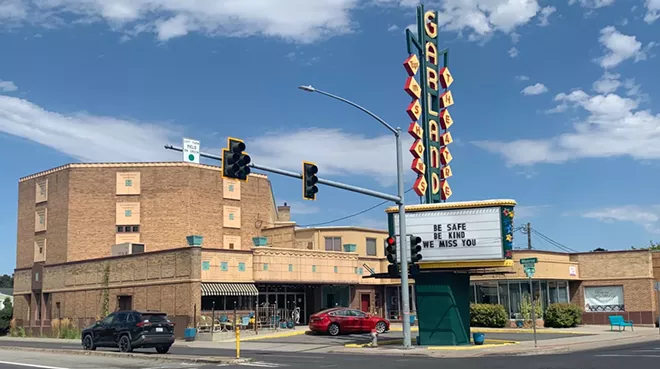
(639, 356)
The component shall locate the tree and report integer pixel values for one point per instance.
(600, 249)
(653, 246)
(6, 281)
(5, 316)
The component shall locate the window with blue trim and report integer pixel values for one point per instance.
(291, 267)
(241, 267)
(336, 270)
(224, 266)
(313, 268)
(265, 266)
(206, 265)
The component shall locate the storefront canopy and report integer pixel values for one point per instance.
(229, 289)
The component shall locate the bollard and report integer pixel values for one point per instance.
(374, 338)
(238, 341)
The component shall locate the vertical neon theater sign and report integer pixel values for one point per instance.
(430, 99)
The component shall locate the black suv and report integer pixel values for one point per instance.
(129, 330)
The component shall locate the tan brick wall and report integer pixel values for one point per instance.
(614, 265)
(168, 281)
(176, 200)
(233, 259)
(56, 232)
(309, 266)
(549, 266)
(637, 293)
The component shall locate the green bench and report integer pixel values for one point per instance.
(617, 321)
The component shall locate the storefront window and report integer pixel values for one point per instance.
(514, 298)
(472, 299)
(504, 295)
(487, 293)
(562, 291)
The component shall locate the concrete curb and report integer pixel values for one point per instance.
(487, 344)
(511, 331)
(155, 357)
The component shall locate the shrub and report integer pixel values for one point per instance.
(563, 316)
(5, 316)
(526, 308)
(487, 315)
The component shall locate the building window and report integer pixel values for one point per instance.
(231, 216)
(241, 267)
(224, 267)
(128, 229)
(206, 265)
(333, 244)
(291, 267)
(313, 268)
(42, 218)
(336, 270)
(231, 187)
(36, 277)
(356, 270)
(128, 183)
(265, 266)
(360, 271)
(128, 213)
(231, 245)
(371, 247)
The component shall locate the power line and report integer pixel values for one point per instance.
(350, 216)
(553, 242)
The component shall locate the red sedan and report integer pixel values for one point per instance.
(342, 320)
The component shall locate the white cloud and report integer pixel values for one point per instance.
(592, 4)
(545, 14)
(535, 89)
(652, 11)
(620, 47)
(393, 27)
(608, 83)
(412, 28)
(529, 211)
(7, 86)
(614, 127)
(294, 20)
(522, 78)
(515, 37)
(482, 18)
(513, 52)
(335, 151)
(647, 217)
(87, 137)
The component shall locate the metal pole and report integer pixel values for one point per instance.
(529, 236)
(327, 182)
(403, 250)
(531, 291)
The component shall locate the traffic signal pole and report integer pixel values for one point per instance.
(407, 342)
(327, 182)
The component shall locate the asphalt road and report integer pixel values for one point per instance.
(639, 356)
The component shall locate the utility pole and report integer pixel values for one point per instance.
(529, 236)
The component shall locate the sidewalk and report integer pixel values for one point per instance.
(599, 336)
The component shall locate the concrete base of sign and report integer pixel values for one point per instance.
(443, 308)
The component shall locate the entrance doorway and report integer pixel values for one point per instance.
(125, 302)
(365, 302)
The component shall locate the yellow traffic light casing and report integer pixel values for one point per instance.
(235, 160)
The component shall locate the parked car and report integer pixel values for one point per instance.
(342, 320)
(128, 330)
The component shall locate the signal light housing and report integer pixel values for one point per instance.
(235, 161)
(309, 180)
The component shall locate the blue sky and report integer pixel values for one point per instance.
(555, 101)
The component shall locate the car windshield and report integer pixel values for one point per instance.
(155, 318)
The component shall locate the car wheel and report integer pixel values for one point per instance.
(125, 344)
(333, 329)
(381, 327)
(88, 343)
(162, 349)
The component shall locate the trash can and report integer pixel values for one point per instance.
(478, 338)
(189, 334)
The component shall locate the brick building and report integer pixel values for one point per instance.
(69, 218)
(601, 283)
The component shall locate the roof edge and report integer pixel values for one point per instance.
(127, 165)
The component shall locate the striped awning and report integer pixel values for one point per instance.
(229, 289)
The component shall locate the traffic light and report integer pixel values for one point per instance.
(309, 180)
(415, 248)
(235, 161)
(390, 252)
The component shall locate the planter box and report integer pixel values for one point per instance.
(195, 240)
(350, 247)
(259, 241)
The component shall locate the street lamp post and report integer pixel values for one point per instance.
(403, 251)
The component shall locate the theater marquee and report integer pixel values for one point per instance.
(428, 109)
